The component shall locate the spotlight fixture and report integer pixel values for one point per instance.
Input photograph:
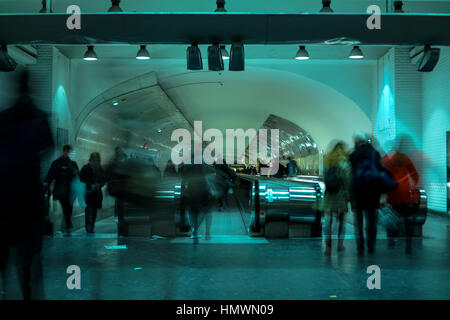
(326, 6)
(220, 6)
(90, 54)
(224, 52)
(302, 54)
(398, 7)
(194, 58)
(215, 61)
(237, 57)
(143, 54)
(356, 53)
(115, 103)
(7, 64)
(429, 60)
(44, 7)
(115, 6)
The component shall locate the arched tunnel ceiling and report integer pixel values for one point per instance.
(230, 100)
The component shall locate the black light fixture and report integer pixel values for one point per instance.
(44, 7)
(302, 54)
(143, 53)
(225, 55)
(220, 6)
(326, 6)
(194, 58)
(90, 54)
(215, 61)
(7, 64)
(356, 53)
(237, 57)
(429, 60)
(115, 6)
(398, 7)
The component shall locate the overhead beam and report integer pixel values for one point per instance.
(224, 28)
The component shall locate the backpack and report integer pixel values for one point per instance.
(333, 180)
(369, 178)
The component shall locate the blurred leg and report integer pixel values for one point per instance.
(359, 233)
(67, 211)
(328, 231)
(341, 231)
(371, 229)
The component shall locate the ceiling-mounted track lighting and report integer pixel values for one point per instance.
(398, 7)
(143, 53)
(44, 7)
(220, 6)
(302, 54)
(194, 58)
(215, 61)
(90, 54)
(115, 6)
(237, 57)
(326, 6)
(225, 55)
(356, 53)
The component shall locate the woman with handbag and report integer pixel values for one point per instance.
(94, 177)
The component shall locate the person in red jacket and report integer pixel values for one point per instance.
(404, 197)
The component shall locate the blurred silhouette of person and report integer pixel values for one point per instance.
(170, 170)
(225, 180)
(403, 198)
(62, 171)
(292, 167)
(338, 189)
(366, 196)
(24, 135)
(93, 175)
(196, 196)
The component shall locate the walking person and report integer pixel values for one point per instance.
(403, 198)
(170, 170)
(368, 173)
(338, 184)
(292, 167)
(62, 171)
(25, 135)
(93, 175)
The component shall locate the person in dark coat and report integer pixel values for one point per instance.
(196, 196)
(25, 135)
(365, 201)
(225, 180)
(62, 171)
(170, 170)
(93, 175)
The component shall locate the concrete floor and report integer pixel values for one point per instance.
(240, 267)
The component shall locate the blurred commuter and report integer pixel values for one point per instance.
(292, 168)
(170, 170)
(119, 155)
(225, 180)
(403, 198)
(338, 189)
(62, 172)
(93, 176)
(366, 164)
(24, 135)
(196, 196)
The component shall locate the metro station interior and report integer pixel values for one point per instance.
(121, 77)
